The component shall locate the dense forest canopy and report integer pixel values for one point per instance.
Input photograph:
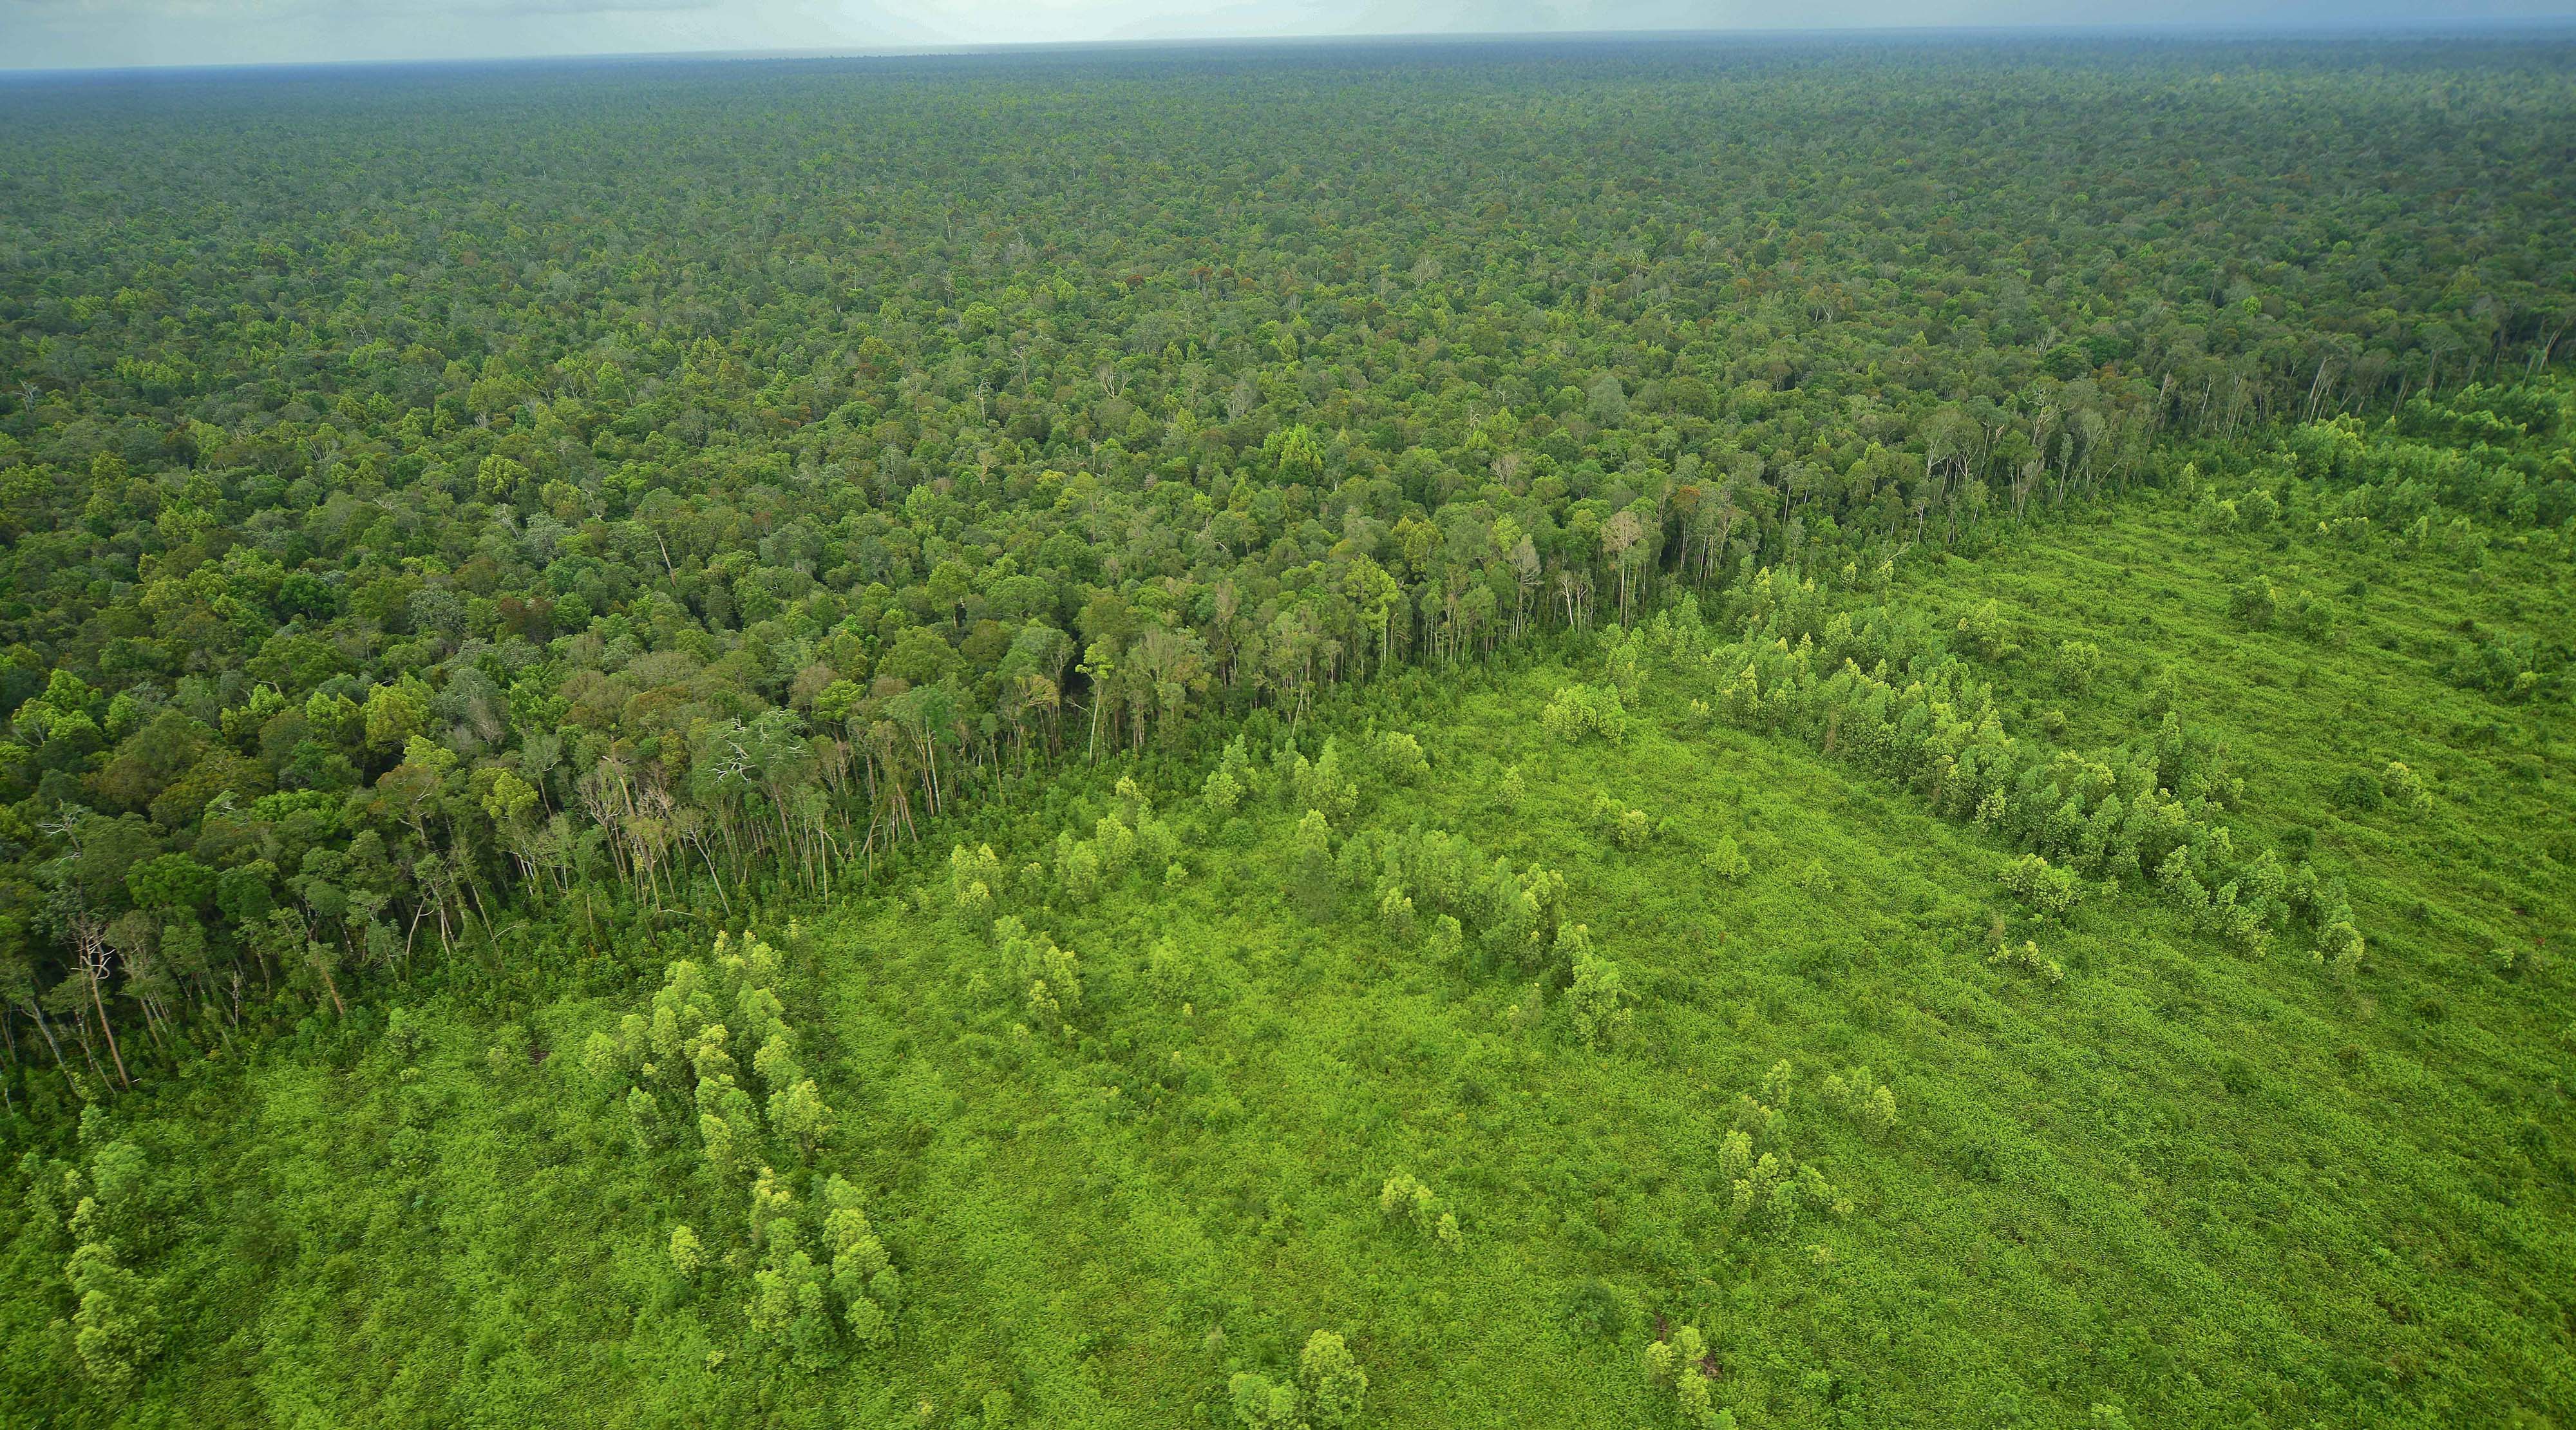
(464, 529)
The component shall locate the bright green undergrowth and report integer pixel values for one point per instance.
(1772, 1084)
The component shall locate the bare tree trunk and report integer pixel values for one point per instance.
(333, 985)
(47, 1029)
(94, 958)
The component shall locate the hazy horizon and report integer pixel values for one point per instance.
(75, 35)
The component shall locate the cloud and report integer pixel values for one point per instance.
(243, 13)
(94, 33)
(72, 33)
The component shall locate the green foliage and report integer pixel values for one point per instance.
(1310, 865)
(2028, 959)
(1448, 940)
(796, 1111)
(2255, 603)
(973, 879)
(1395, 914)
(1244, 1028)
(1581, 711)
(115, 1323)
(2046, 889)
(1170, 971)
(1598, 998)
(1400, 760)
(787, 1309)
(863, 1277)
(1260, 1403)
(2079, 664)
(468, 586)
(1625, 828)
(1770, 1191)
(1047, 978)
(1321, 784)
(1862, 1098)
(1335, 1388)
(1682, 1360)
(1984, 632)
(2401, 785)
(1406, 1198)
(1222, 792)
(1727, 861)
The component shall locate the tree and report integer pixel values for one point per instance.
(1395, 914)
(1335, 1386)
(797, 1111)
(1260, 1403)
(1400, 759)
(1682, 1359)
(1598, 1000)
(1622, 537)
(1404, 1196)
(863, 1278)
(686, 1253)
(116, 1326)
(1727, 862)
(1579, 711)
(2048, 889)
(1310, 866)
(973, 878)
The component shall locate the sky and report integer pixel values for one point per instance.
(75, 34)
